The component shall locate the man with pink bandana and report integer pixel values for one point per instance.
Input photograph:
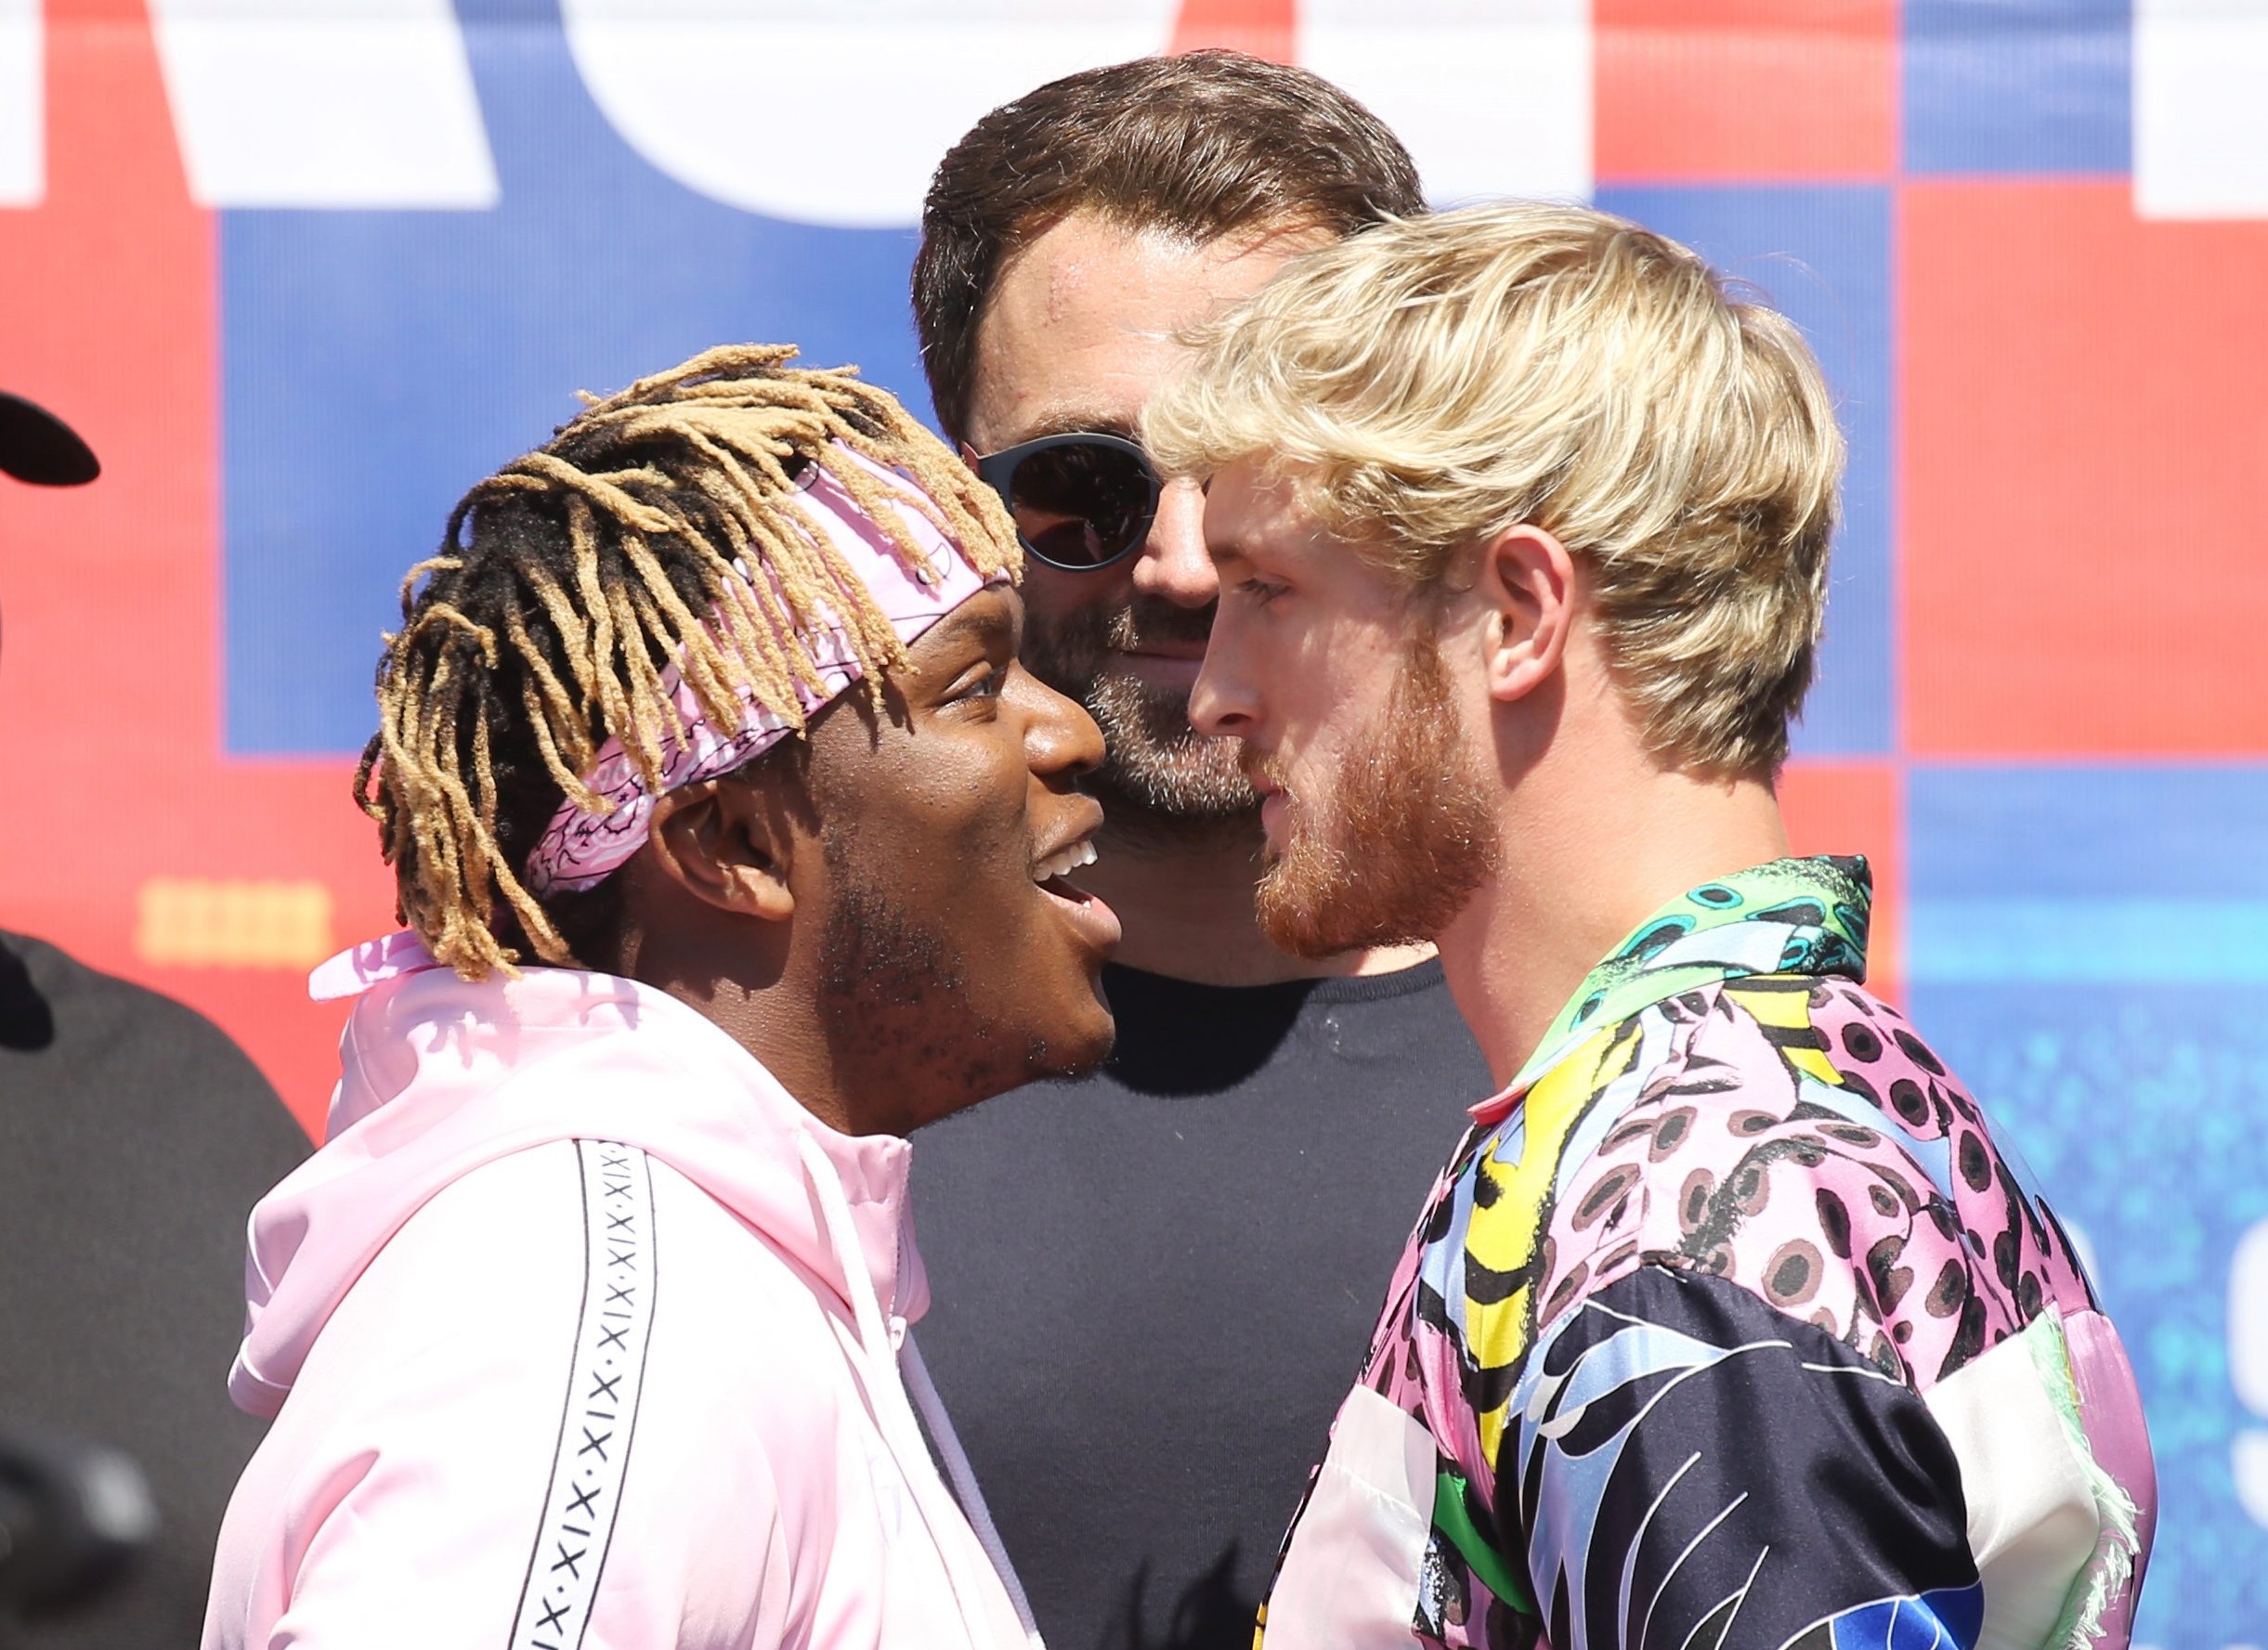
(730, 837)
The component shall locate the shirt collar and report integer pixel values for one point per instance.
(1791, 916)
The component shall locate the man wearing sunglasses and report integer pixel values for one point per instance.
(1158, 1278)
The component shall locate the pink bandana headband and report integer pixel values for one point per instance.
(580, 849)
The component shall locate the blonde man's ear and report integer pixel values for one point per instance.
(1528, 581)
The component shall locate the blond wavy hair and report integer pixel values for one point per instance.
(1436, 381)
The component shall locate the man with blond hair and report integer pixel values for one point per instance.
(1731, 1321)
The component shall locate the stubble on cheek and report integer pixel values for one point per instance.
(1393, 844)
(1154, 763)
(896, 1005)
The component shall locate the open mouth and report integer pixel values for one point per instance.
(1093, 921)
(1064, 861)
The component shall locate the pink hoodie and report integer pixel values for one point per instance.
(580, 1331)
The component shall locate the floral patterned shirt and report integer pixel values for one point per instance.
(1731, 1323)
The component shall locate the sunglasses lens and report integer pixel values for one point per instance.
(1081, 505)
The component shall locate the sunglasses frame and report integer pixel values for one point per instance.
(997, 471)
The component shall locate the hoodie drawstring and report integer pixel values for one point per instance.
(965, 1489)
(887, 1381)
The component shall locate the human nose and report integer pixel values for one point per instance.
(1222, 703)
(1061, 741)
(1174, 563)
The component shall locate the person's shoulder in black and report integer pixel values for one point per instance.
(135, 1137)
(1153, 1285)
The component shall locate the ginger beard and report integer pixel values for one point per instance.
(1156, 766)
(1388, 846)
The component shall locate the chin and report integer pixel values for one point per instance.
(1013, 1050)
(1077, 1043)
(1099, 1034)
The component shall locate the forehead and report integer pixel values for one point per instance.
(1252, 517)
(1082, 326)
(1254, 523)
(987, 622)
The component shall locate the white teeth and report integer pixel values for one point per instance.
(1063, 861)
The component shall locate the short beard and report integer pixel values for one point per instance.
(1410, 836)
(892, 1004)
(1160, 778)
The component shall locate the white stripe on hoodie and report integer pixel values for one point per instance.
(580, 1331)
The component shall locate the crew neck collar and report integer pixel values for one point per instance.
(1795, 915)
(1321, 988)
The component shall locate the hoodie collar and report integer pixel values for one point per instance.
(441, 1076)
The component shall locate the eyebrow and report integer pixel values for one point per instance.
(1074, 422)
(984, 623)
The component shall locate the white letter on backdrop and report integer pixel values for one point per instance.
(833, 114)
(2201, 108)
(362, 104)
(2248, 1365)
(23, 114)
(1493, 97)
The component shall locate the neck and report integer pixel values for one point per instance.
(770, 1009)
(1185, 899)
(1588, 857)
(785, 1044)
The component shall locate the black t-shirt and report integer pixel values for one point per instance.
(1152, 1287)
(135, 1137)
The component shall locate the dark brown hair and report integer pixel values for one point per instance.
(1200, 145)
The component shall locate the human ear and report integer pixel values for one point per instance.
(1525, 581)
(728, 843)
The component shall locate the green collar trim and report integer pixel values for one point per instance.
(1791, 916)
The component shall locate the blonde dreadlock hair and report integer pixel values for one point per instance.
(570, 579)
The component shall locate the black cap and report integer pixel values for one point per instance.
(37, 446)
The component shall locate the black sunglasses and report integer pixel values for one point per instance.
(1082, 502)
